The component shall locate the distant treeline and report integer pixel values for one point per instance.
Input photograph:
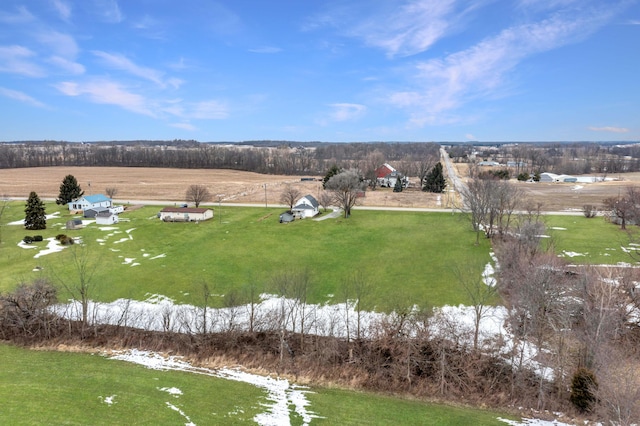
(289, 158)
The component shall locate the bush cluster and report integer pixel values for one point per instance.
(65, 240)
(29, 239)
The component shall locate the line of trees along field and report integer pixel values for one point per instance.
(561, 158)
(285, 158)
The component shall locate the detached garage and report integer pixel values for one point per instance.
(185, 214)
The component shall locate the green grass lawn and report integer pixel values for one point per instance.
(598, 241)
(45, 387)
(406, 257)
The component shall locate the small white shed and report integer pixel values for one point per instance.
(185, 214)
(106, 218)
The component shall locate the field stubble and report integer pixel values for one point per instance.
(233, 186)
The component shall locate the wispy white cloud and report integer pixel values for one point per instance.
(184, 126)
(19, 60)
(209, 110)
(633, 22)
(470, 137)
(610, 129)
(346, 112)
(109, 11)
(483, 70)
(104, 91)
(411, 28)
(20, 17)
(151, 28)
(203, 110)
(266, 49)
(20, 96)
(58, 43)
(122, 63)
(63, 8)
(402, 28)
(66, 65)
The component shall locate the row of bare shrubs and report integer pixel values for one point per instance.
(393, 362)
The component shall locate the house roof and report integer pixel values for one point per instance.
(384, 170)
(97, 198)
(183, 210)
(311, 201)
(97, 209)
(105, 213)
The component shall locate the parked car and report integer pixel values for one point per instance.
(286, 217)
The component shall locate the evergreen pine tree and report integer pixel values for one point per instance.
(35, 216)
(434, 182)
(398, 186)
(334, 170)
(69, 190)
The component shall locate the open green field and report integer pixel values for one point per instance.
(406, 257)
(45, 387)
(592, 241)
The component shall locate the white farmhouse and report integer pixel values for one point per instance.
(306, 206)
(89, 202)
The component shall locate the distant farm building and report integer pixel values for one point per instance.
(384, 170)
(89, 202)
(185, 214)
(306, 206)
(387, 176)
(552, 177)
(488, 163)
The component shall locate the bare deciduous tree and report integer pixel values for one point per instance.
(325, 199)
(346, 187)
(80, 282)
(289, 196)
(111, 191)
(25, 311)
(197, 194)
(481, 295)
(490, 204)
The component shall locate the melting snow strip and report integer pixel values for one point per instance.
(279, 392)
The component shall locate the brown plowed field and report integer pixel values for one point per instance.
(233, 186)
(157, 184)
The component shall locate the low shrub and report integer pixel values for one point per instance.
(65, 240)
(583, 388)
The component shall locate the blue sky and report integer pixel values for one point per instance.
(333, 70)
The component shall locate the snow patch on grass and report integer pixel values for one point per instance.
(281, 395)
(109, 400)
(171, 391)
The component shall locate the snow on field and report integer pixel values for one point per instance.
(109, 400)
(53, 246)
(47, 217)
(533, 422)
(281, 395)
(571, 254)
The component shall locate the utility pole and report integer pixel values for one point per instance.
(265, 195)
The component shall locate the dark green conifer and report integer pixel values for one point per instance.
(35, 216)
(434, 182)
(69, 190)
